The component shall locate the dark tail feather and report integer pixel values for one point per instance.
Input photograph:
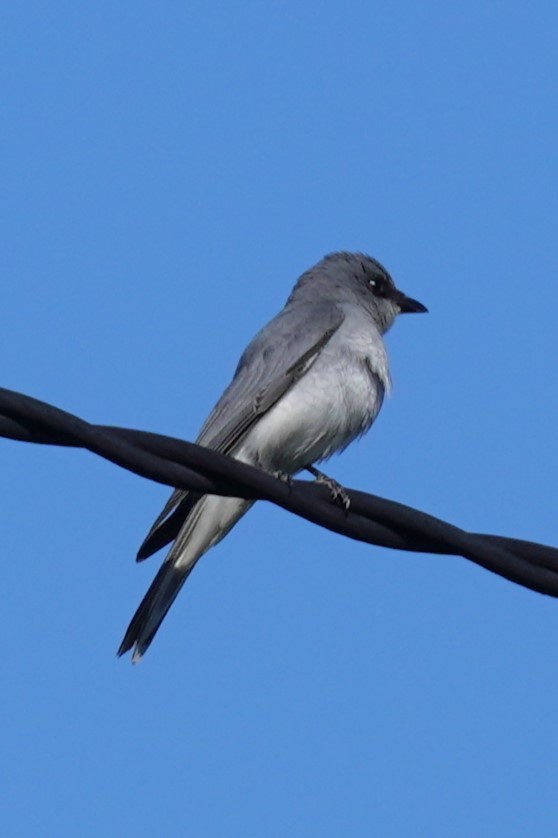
(165, 529)
(153, 609)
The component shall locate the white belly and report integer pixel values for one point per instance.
(335, 401)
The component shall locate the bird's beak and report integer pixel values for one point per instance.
(408, 305)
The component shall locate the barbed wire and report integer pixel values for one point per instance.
(371, 519)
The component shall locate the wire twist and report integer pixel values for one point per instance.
(370, 518)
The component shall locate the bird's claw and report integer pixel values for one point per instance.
(338, 493)
(284, 478)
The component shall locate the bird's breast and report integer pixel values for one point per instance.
(333, 403)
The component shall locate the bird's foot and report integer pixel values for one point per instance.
(338, 493)
(284, 478)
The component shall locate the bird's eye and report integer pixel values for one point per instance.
(378, 285)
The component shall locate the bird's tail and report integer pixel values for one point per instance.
(208, 522)
(153, 609)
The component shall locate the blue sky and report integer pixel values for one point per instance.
(168, 170)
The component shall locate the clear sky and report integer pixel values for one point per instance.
(168, 170)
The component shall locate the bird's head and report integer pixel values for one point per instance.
(355, 277)
(377, 292)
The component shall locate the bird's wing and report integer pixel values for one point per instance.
(279, 355)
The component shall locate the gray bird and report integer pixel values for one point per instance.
(309, 383)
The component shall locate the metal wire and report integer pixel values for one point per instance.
(370, 518)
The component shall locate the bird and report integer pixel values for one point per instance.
(308, 384)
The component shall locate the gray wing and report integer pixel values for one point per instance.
(279, 355)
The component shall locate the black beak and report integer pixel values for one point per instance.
(409, 306)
